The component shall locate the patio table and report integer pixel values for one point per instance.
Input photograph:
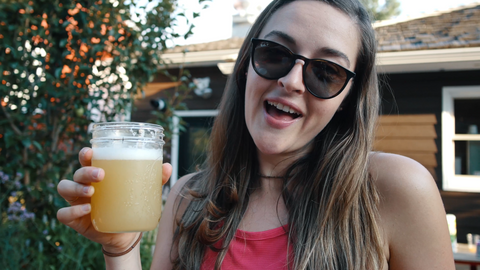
(464, 255)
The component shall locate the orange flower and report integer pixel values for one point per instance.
(44, 24)
(74, 11)
(66, 69)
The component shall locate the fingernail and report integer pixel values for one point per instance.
(86, 190)
(86, 208)
(83, 151)
(95, 173)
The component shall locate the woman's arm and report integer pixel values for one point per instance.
(165, 251)
(412, 214)
(128, 261)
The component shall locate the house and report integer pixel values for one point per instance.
(430, 72)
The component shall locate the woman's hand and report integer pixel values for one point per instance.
(78, 194)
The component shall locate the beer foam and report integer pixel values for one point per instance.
(113, 153)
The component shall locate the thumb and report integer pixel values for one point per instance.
(166, 172)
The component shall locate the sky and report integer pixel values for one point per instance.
(215, 22)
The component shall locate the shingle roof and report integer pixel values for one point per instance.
(455, 28)
(458, 28)
(232, 43)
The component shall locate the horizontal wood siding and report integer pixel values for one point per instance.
(406, 145)
(407, 131)
(411, 135)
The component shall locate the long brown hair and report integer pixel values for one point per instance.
(330, 197)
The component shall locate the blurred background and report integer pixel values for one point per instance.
(67, 64)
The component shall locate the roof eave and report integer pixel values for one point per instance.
(201, 58)
(387, 62)
(429, 60)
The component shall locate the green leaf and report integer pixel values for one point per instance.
(37, 145)
(58, 73)
(63, 43)
(26, 142)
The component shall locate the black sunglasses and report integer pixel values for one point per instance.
(322, 78)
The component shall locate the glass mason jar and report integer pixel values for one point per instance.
(129, 198)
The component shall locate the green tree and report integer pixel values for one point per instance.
(379, 12)
(62, 63)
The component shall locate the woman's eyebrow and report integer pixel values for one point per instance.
(323, 51)
(281, 35)
(335, 53)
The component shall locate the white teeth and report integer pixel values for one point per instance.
(283, 107)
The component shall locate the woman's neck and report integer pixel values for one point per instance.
(277, 165)
(272, 172)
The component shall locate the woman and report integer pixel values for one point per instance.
(291, 182)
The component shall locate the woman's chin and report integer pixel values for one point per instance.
(273, 148)
(270, 149)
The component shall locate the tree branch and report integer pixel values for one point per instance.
(26, 175)
(10, 120)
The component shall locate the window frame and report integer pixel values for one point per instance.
(452, 181)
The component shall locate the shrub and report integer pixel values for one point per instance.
(63, 63)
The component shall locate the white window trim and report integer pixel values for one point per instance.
(175, 136)
(452, 182)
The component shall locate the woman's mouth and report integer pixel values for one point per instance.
(280, 111)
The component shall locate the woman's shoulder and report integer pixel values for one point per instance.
(179, 193)
(401, 181)
(412, 214)
(392, 170)
(179, 185)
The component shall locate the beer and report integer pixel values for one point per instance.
(129, 198)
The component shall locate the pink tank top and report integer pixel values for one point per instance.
(266, 250)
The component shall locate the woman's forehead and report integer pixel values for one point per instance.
(313, 26)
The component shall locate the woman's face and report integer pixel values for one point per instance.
(315, 30)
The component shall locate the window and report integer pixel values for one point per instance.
(192, 144)
(461, 138)
(188, 146)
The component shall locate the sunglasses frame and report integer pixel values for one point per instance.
(256, 41)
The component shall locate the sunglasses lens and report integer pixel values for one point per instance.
(271, 61)
(324, 79)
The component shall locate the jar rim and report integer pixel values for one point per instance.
(115, 125)
(128, 139)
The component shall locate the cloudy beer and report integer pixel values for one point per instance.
(129, 198)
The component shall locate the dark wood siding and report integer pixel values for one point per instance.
(143, 109)
(421, 93)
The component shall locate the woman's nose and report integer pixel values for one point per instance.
(293, 81)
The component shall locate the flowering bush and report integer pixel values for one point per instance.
(63, 63)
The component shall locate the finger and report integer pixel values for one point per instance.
(87, 175)
(166, 172)
(85, 156)
(72, 191)
(69, 215)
